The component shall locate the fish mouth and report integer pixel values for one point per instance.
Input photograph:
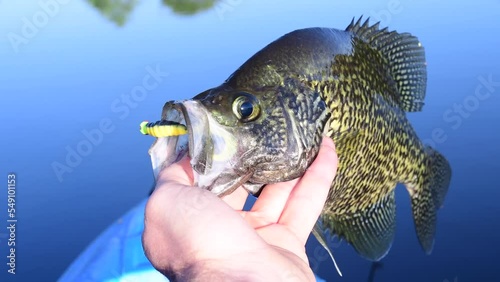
(210, 146)
(168, 150)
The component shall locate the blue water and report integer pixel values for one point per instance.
(69, 71)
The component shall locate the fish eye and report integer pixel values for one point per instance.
(246, 107)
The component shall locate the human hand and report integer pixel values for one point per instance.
(192, 235)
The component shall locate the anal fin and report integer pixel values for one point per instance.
(369, 231)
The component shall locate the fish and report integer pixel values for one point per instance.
(265, 122)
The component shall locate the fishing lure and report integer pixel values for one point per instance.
(163, 128)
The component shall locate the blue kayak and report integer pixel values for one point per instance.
(117, 254)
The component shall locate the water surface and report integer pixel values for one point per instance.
(72, 95)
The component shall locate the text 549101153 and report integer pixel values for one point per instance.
(11, 223)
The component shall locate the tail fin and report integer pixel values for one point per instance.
(427, 195)
(441, 175)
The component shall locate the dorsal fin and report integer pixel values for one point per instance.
(406, 58)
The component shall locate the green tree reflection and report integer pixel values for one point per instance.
(115, 10)
(189, 7)
(118, 11)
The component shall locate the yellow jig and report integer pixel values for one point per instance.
(163, 128)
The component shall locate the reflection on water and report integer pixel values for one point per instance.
(373, 269)
(118, 11)
(115, 10)
(189, 7)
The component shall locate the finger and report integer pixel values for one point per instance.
(179, 172)
(272, 201)
(237, 199)
(309, 195)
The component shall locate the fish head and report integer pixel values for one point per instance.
(243, 136)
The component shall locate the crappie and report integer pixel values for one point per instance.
(264, 124)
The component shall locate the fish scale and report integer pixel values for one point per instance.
(354, 85)
(366, 100)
